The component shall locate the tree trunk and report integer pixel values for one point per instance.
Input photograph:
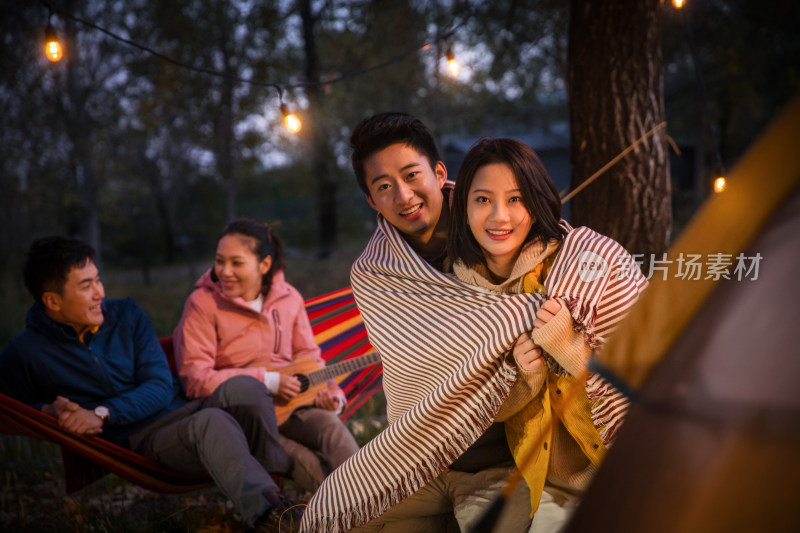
(615, 97)
(225, 120)
(226, 150)
(227, 138)
(78, 125)
(321, 154)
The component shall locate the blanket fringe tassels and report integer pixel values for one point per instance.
(363, 510)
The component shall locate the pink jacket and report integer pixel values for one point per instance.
(220, 337)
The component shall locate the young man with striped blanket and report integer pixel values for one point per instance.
(398, 168)
(442, 461)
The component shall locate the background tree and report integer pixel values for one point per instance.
(234, 39)
(169, 150)
(615, 97)
(322, 163)
(749, 57)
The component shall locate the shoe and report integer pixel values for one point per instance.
(284, 516)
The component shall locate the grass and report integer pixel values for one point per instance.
(32, 494)
(33, 498)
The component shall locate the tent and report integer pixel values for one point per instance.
(712, 439)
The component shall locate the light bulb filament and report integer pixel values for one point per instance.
(52, 48)
(53, 51)
(453, 67)
(452, 64)
(293, 123)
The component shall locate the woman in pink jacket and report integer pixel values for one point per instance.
(243, 315)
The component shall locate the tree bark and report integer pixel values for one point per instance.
(321, 153)
(615, 97)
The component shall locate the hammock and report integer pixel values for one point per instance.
(339, 332)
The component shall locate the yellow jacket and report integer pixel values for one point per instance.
(573, 452)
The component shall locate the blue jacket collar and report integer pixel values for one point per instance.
(38, 320)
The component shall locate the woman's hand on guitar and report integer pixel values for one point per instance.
(327, 400)
(288, 388)
(332, 399)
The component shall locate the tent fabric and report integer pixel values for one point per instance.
(711, 441)
(727, 222)
(338, 330)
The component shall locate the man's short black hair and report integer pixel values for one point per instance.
(380, 131)
(49, 261)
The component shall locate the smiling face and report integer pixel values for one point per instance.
(238, 268)
(78, 303)
(497, 217)
(406, 190)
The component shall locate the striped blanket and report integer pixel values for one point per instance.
(443, 345)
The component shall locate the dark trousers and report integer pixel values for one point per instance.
(233, 434)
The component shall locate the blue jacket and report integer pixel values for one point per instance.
(122, 366)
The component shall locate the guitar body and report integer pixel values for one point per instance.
(313, 378)
(300, 368)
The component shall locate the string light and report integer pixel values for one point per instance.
(293, 123)
(720, 183)
(452, 64)
(52, 47)
(291, 120)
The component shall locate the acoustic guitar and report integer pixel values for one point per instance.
(313, 378)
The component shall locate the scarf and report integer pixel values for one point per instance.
(443, 345)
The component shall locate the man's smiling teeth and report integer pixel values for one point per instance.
(498, 231)
(94, 307)
(411, 211)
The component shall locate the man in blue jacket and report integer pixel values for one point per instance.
(97, 366)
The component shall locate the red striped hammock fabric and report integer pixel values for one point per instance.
(338, 330)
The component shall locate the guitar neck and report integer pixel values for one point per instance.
(345, 367)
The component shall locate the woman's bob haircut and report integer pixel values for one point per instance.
(539, 196)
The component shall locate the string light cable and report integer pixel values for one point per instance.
(720, 181)
(279, 87)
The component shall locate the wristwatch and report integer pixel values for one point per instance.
(102, 412)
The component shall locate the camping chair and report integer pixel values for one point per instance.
(338, 330)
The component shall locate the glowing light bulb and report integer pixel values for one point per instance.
(677, 3)
(52, 48)
(293, 123)
(453, 67)
(720, 184)
(452, 64)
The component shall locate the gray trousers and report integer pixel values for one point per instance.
(455, 501)
(318, 442)
(233, 434)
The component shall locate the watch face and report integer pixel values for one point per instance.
(101, 411)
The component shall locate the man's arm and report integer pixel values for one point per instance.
(150, 389)
(18, 380)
